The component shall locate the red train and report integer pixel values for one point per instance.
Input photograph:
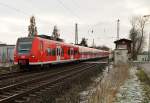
(39, 51)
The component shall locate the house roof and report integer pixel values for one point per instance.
(2, 44)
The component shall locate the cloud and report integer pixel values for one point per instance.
(98, 15)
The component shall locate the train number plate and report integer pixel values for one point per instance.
(23, 62)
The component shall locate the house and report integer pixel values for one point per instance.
(6, 53)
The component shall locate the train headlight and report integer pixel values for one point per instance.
(33, 56)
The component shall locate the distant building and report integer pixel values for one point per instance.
(122, 52)
(142, 56)
(6, 53)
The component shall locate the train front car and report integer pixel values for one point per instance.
(23, 51)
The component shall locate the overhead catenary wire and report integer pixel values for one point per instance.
(68, 9)
(75, 3)
(13, 8)
(21, 12)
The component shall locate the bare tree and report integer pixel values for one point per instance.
(137, 36)
(32, 27)
(84, 42)
(103, 47)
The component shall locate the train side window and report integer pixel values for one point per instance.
(62, 52)
(57, 51)
(72, 52)
(53, 52)
(48, 51)
(41, 45)
(75, 52)
(68, 51)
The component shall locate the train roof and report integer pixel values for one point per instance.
(50, 38)
(46, 37)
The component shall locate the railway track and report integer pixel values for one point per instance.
(12, 79)
(13, 75)
(20, 73)
(12, 93)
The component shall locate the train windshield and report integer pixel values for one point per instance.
(24, 47)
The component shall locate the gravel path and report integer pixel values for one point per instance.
(131, 91)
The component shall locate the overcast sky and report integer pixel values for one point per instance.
(99, 15)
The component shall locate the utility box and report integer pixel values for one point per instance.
(122, 52)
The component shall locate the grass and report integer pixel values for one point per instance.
(143, 76)
(12, 68)
(146, 85)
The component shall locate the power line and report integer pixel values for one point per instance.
(13, 8)
(75, 3)
(68, 9)
(20, 11)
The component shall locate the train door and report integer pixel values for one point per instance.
(41, 52)
(71, 53)
(58, 52)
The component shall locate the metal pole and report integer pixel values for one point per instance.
(76, 33)
(149, 48)
(93, 43)
(118, 27)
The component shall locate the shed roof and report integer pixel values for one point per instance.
(120, 40)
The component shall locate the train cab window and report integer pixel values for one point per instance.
(24, 45)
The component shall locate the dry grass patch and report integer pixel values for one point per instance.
(145, 80)
(107, 88)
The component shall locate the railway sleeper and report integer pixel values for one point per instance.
(20, 101)
(38, 92)
(3, 96)
(26, 98)
(8, 93)
(32, 95)
(43, 90)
